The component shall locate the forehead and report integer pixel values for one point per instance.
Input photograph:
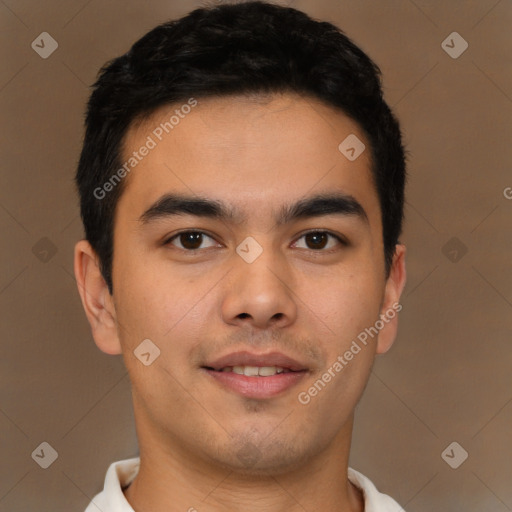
(253, 152)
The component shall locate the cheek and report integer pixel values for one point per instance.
(164, 306)
(348, 303)
(351, 307)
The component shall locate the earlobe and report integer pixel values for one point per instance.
(391, 303)
(96, 299)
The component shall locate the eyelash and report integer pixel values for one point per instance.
(341, 240)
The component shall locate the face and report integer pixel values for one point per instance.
(252, 295)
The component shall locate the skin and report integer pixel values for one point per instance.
(255, 154)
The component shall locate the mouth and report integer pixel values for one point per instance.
(256, 376)
(253, 371)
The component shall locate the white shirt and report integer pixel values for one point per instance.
(120, 474)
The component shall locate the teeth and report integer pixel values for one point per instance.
(267, 371)
(255, 371)
(251, 371)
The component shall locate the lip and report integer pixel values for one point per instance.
(244, 358)
(256, 387)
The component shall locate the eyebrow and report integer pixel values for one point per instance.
(315, 206)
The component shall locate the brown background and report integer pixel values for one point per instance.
(448, 377)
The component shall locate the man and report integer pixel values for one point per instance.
(242, 188)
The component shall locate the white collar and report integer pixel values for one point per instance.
(121, 473)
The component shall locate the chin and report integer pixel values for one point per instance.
(264, 459)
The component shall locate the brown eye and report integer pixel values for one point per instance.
(189, 240)
(318, 240)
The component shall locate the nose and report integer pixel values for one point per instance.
(259, 294)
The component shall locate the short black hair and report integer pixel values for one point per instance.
(234, 49)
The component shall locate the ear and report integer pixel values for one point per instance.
(390, 304)
(96, 299)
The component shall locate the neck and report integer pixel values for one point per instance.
(173, 479)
